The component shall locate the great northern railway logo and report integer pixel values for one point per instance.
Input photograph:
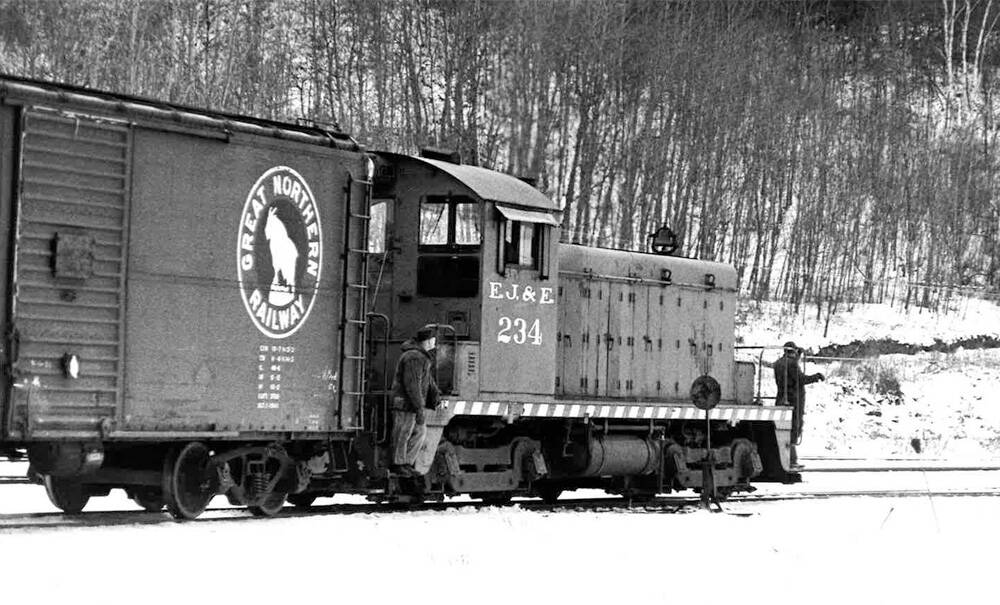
(279, 252)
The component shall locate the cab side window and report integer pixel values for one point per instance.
(522, 244)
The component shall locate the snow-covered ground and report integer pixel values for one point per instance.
(863, 550)
(948, 403)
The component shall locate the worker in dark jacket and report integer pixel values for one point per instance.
(413, 391)
(791, 382)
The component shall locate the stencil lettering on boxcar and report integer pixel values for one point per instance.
(272, 360)
(279, 252)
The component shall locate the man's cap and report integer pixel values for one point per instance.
(425, 333)
(790, 346)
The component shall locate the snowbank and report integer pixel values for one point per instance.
(772, 323)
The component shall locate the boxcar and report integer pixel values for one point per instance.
(173, 277)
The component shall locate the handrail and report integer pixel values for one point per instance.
(454, 352)
(381, 410)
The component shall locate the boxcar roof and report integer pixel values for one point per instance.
(27, 90)
(489, 185)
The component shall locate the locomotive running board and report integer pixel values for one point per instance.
(618, 411)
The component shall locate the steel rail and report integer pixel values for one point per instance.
(900, 469)
(13, 480)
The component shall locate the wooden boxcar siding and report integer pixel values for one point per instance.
(73, 183)
(8, 158)
(196, 359)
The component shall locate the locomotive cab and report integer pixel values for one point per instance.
(473, 251)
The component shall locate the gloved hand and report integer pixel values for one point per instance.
(820, 376)
(420, 419)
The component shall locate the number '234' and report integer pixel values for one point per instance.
(516, 330)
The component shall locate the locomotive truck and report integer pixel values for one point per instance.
(196, 303)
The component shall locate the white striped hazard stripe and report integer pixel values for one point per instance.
(624, 411)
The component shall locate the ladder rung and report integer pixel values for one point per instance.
(356, 357)
(352, 393)
(364, 216)
(360, 251)
(358, 322)
(358, 286)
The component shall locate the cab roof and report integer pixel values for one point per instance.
(489, 185)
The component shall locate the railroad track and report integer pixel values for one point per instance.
(901, 469)
(20, 479)
(808, 468)
(611, 504)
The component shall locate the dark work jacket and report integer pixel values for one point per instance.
(791, 381)
(413, 387)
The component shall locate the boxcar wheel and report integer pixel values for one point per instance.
(68, 495)
(302, 500)
(188, 483)
(271, 505)
(149, 499)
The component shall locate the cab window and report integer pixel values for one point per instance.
(378, 226)
(522, 244)
(450, 222)
(433, 223)
(468, 228)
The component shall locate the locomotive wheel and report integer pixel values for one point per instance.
(271, 505)
(302, 500)
(188, 484)
(148, 498)
(640, 497)
(68, 495)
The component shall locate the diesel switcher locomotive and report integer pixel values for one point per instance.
(198, 304)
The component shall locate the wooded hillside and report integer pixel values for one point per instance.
(833, 151)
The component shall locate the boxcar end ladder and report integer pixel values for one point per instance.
(354, 305)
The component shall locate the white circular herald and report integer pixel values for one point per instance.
(279, 252)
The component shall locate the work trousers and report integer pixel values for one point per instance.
(407, 437)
